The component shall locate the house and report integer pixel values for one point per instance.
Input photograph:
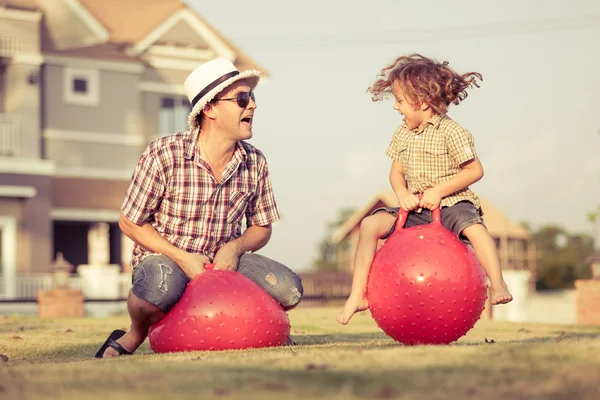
(85, 86)
(516, 248)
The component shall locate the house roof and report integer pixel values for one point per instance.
(128, 22)
(30, 5)
(496, 222)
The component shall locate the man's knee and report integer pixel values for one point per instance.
(283, 284)
(159, 281)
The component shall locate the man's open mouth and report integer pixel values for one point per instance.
(247, 120)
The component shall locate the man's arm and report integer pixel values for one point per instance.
(148, 237)
(254, 238)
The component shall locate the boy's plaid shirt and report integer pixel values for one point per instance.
(173, 189)
(433, 155)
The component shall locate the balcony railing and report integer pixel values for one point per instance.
(9, 46)
(26, 287)
(9, 135)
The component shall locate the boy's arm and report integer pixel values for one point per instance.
(471, 172)
(406, 200)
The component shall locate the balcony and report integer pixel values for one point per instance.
(9, 135)
(9, 46)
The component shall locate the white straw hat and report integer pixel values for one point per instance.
(209, 79)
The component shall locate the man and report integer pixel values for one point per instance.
(186, 201)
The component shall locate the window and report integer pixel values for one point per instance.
(82, 87)
(174, 114)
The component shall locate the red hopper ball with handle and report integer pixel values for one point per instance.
(425, 286)
(221, 310)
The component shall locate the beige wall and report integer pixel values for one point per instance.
(117, 111)
(34, 245)
(63, 28)
(182, 32)
(26, 35)
(24, 100)
(174, 77)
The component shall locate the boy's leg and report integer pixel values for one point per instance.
(463, 219)
(275, 278)
(158, 284)
(372, 228)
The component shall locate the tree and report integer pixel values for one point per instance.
(328, 253)
(561, 257)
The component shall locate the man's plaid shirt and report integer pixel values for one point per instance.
(173, 189)
(432, 155)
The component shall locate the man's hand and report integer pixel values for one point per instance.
(431, 199)
(227, 257)
(409, 203)
(193, 264)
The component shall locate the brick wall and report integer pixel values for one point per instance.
(588, 301)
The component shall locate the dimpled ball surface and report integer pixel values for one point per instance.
(221, 310)
(425, 286)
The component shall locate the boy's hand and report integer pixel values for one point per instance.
(431, 199)
(409, 203)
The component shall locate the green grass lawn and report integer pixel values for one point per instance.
(53, 359)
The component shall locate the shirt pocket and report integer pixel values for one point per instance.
(238, 203)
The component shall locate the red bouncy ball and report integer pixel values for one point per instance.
(221, 310)
(425, 286)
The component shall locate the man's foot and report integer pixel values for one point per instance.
(353, 305)
(129, 342)
(501, 295)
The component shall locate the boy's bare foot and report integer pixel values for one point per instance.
(128, 341)
(353, 305)
(501, 295)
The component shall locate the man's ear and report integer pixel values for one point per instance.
(209, 110)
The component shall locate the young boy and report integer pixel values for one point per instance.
(434, 162)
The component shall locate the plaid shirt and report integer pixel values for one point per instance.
(174, 189)
(433, 155)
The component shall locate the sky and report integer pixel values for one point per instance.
(535, 119)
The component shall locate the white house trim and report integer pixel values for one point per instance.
(162, 88)
(27, 58)
(92, 78)
(26, 166)
(8, 225)
(94, 173)
(207, 34)
(84, 214)
(102, 65)
(181, 52)
(93, 137)
(169, 63)
(26, 192)
(92, 23)
(20, 15)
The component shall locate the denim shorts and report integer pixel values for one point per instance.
(455, 218)
(159, 280)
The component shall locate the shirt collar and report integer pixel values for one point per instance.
(435, 121)
(191, 147)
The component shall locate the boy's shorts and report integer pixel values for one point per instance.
(455, 218)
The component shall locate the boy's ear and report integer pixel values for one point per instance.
(424, 106)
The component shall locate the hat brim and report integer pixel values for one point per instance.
(253, 76)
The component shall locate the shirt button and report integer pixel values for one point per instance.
(416, 136)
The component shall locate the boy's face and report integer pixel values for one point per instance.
(413, 115)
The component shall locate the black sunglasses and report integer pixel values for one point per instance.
(242, 98)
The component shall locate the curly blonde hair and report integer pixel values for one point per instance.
(424, 81)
